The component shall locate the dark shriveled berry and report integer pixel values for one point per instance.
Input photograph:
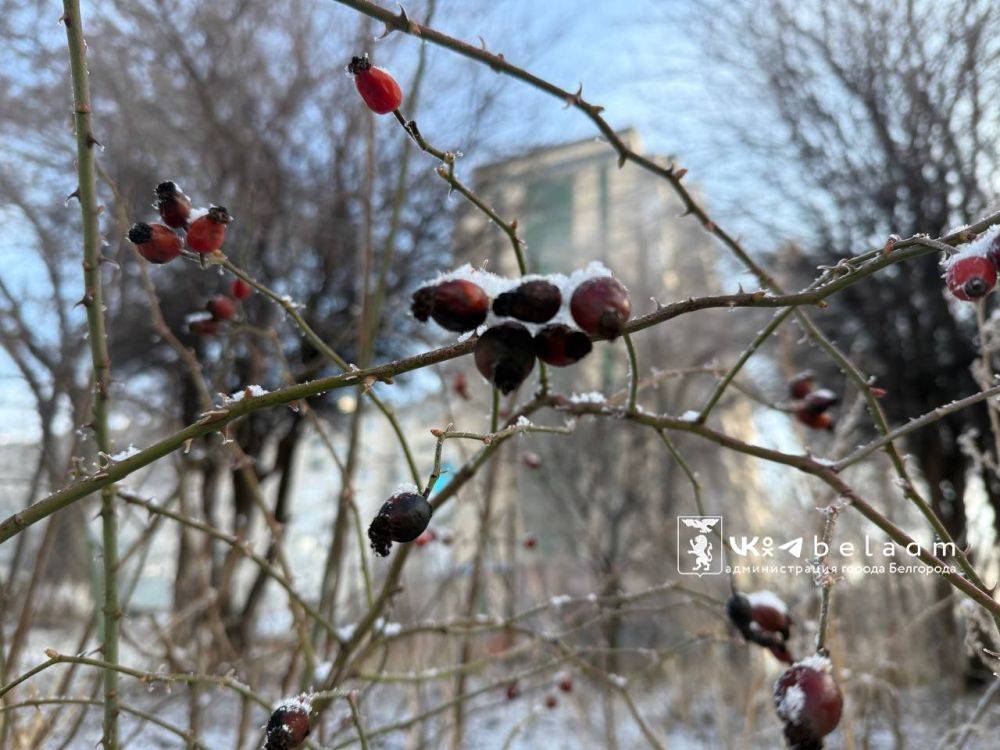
(809, 703)
(457, 305)
(533, 302)
(601, 306)
(505, 355)
(402, 518)
(287, 728)
(559, 345)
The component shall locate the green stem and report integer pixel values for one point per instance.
(633, 376)
(93, 301)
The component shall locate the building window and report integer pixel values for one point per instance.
(548, 231)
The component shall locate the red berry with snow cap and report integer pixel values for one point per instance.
(240, 290)
(379, 89)
(971, 277)
(402, 518)
(601, 306)
(762, 618)
(221, 308)
(505, 355)
(173, 205)
(809, 703)
(207, 233)
(288, 727)
(560, 346)
(820, 400)
(155, 242)
(533, 302)
(457, 305)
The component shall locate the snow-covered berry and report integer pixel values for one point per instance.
(288, 727)
(971, 277)
(535, 301)
(457, 305)
(808, 702)
(378, 89)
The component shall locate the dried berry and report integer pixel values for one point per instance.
(800, 385)
(531, 459)
(208, 232)
(601, 306)
(809, 703)
(551, 702)
(173, 205)
(513, 691)
(155, 242)
(288, 727)
(379, 89)
(204, 327)
(457, 305)
(221, 308)
(564, 682)
(762, 618)
(820, 400)
(402, 518)
(971, 277)
(505, 355)
(821, 421)
(533, 301)
(240, 290)
(530, 542)
(559, 345)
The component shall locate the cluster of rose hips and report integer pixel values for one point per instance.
(505, 353)
(806, 697)
(221, 309)
(200, 230)
(971, 273)
(288, 726)
(812, 403)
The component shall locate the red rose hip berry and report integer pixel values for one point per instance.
(457, 305)
(600, 306)
(505, 355)
(379, 89)
(559, 345)
(221, 308)
(821, 421)
(240, 290)
(155, 242)
(173, 205)
(288, 727)
(207, 233)
(809, 703)
(971, 277)
(402, 518)
(533, 302)
(800, 385)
